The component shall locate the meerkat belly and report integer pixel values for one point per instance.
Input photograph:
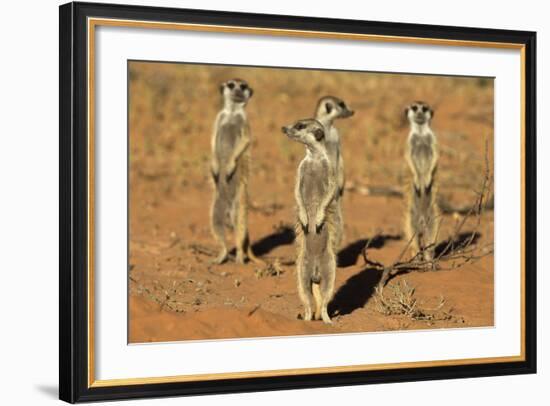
(422, 150)
(314, 190)
(228, 136)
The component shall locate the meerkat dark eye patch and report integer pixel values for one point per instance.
(425, 109)
(328, 107)
(299, 126)
(319, 134)
(414, 107)
(231, 85)
(342, 105)
(243, 86)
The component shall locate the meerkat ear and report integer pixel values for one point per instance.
(328, 107)
(319, 134)
(251, 91)
(406, 111)
(221, 87)
(432, 113)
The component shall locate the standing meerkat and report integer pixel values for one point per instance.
(315, 193)
(329, 108)
(230, 170)
(421, 221)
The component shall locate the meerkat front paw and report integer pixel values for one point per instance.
(319, 221)
(231, 167)
(215, 176)
(304, 222)
(215, 171)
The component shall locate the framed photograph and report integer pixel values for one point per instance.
(256, 202)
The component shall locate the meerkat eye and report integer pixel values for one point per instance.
(244, 86)
(342, 105)
(231, 85)
(300, 126)
(414, 107)
(425, 109)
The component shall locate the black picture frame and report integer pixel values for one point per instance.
(73, 288)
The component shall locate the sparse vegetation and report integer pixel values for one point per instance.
(402, 301)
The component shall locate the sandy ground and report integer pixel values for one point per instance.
(176, 295)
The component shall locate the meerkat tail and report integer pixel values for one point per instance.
(316, 290)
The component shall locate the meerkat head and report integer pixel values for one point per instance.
(309, 132)
(236, 91)
(330, 107)
(419, 113)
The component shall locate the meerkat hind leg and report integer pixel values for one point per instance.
(242, 237)
(326, 287)
(431, 236)
(305, 289)
(241, 226)
(219, 213)
(316, 290)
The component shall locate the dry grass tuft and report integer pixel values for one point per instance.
(272, 269)
(402, 302)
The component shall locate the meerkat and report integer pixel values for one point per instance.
(421, 221)
(230, 170)
(315, 193)
(329, 108)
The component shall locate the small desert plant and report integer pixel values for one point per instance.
(402, 302)
(272, 269)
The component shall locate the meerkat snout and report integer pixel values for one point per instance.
(345, 111)
(419, 112)
(308, 132)
(330, 108)
(236, 90)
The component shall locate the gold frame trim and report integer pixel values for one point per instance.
(94, 22)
